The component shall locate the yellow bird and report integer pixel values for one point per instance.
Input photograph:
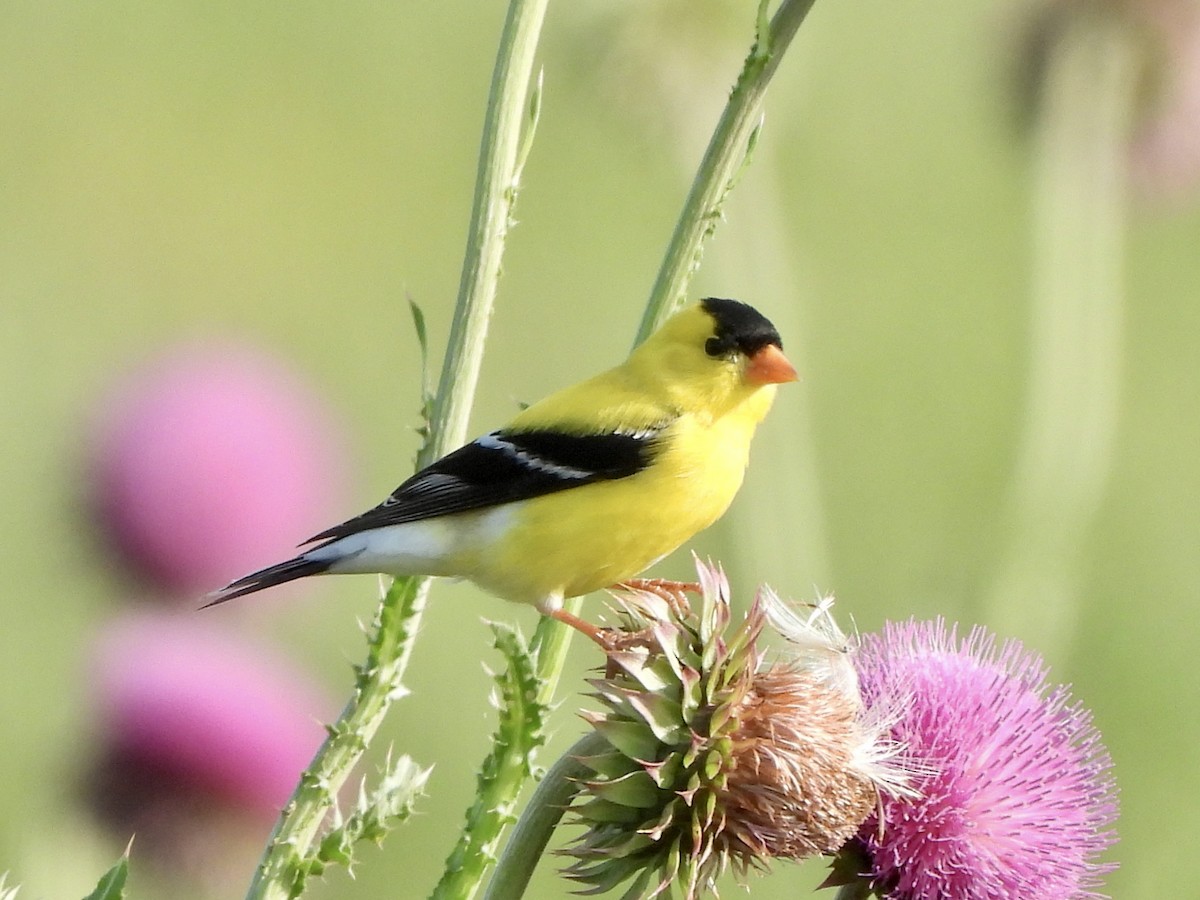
(587, 488)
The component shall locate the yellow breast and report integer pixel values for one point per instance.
(591, 537)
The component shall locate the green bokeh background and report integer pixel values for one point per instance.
(289, 172)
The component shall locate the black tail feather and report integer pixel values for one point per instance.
(279, 573)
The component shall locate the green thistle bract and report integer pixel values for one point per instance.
(717, 758)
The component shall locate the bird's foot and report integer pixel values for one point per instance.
(610, 640)
(674, 592)
(615, 639)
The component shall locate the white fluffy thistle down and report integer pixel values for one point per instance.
(820, 647)
(720, 757)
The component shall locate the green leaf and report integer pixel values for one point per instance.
(631, 738)
(846, 873)
(666, 772)
(112, 884)
(635, 789)
(610, 766)
(375, 814)
(427, 396)
(663, 715)
(532, 116)
(598, 811)
(419, 325)
(669, 818)
(643, 668)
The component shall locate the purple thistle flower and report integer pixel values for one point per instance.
(1018, 797)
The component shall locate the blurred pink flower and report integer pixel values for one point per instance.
(1019, 800)
(211, 461)
(216, 708)
(1165, 152)
(203, 736)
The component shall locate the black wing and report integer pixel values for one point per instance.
(503, 467)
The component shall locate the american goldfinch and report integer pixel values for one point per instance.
(585, 489)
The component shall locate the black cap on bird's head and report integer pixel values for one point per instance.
(741, 328)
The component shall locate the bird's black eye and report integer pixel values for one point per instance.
(715, 347)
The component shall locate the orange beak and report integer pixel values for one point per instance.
(770, 366)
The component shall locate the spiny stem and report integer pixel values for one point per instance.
(505, 140)
(726, 154)
(284, 867)
(520, 732)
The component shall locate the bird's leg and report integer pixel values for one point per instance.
(610, 640)
(595, 632)
(674, 592)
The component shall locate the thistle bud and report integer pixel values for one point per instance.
(718, 757)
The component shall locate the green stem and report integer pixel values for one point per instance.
(520, 732)
(726, 154)
(731, 142)
(511, 117)
(546, 807)
(283, 869)
(1079, 180)
(551, 642)
(507, 129)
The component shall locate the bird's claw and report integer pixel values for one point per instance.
(616, 642)
(674, 592)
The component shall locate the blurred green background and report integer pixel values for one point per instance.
(287, 173)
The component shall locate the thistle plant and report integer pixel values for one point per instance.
(710, 756)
